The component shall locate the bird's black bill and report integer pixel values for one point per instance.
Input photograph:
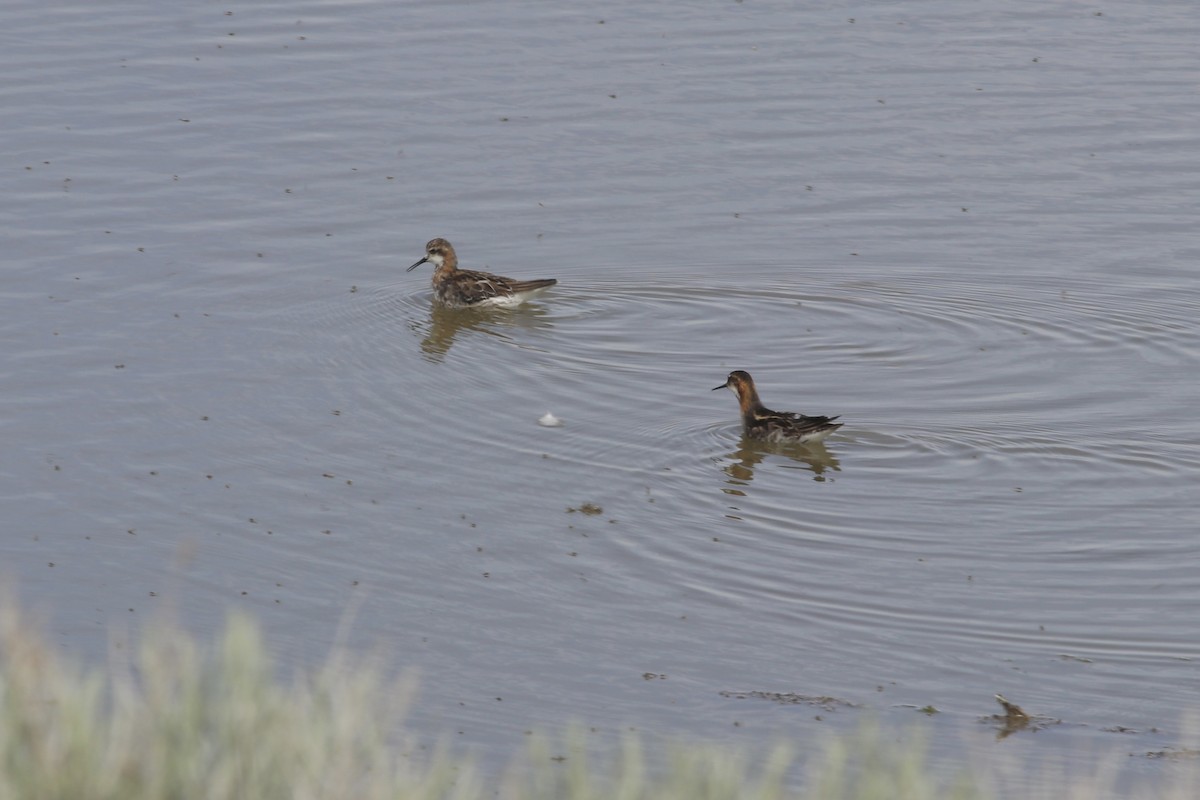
(724, 385)
(419, 263)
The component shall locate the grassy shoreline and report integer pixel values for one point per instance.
(209, 723)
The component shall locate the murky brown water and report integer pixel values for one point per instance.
(970, 232)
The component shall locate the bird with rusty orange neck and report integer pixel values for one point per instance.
(760, 422)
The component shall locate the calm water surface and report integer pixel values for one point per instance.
(970, 231)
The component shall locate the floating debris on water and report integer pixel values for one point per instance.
(548, 420)
(792, 698)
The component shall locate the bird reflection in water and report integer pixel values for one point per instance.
(743, 461)
(445, 323)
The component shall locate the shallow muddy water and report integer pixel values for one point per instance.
(968, 231)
